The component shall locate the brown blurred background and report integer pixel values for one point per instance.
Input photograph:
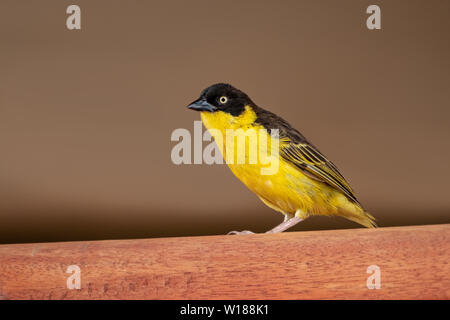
(86, 116)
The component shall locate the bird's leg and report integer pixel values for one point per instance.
(289, 221)
(288, 216)
(241, 232)
(286, 224)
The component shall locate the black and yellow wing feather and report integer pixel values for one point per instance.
(296, 150)
(307, 158)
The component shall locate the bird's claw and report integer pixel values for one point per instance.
(241, 232)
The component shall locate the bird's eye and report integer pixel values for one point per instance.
(223, 100)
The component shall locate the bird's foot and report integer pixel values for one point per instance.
(241, 232)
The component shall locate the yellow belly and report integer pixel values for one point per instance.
(287, 190)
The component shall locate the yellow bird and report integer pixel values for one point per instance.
(304, 182)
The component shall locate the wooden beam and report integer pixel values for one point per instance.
(413, 262)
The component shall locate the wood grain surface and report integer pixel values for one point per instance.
(414, 264)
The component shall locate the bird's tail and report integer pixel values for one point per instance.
(363, 218)
(354, 211)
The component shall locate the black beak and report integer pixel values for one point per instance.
(202, 105)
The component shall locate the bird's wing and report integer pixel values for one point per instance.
(296, 150)
(306, 157)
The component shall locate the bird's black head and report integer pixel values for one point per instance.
(222, 97)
